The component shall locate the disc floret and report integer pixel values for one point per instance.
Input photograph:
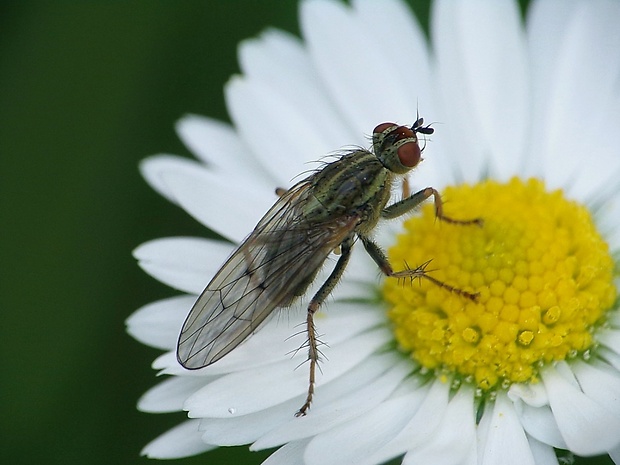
(543, 273)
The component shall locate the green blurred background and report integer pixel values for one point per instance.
(88, 89)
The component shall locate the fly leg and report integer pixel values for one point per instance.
(403, 206)
(406, 188)
(381, 260)
(313, 306)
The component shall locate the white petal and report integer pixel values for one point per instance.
(610, 357)
(348, 289)
(587, 427)
(609, 338)
(184, 263)
(158, 324)
(501, 438)
(426, 407)
(220, 146)
(452, 440)
(364, 81)
(372, 383)
(606, 211)
(168, 365)
(289, 454)
(546, 23)
(601, 382)
(286, 428)
(282, 336)
(181, 441)
(614, 319)
(154, 166)
(361, 280)
(169, 395)
(246, 429)
(258, 112)
(455, 105)
(231, 392)
(397, 34)
(278, 59)
(231, 210)
(532, 405)
(540, 423)
(583, 74)
(482, 73)
(532, 394)
(342, 391)
(543, 453)
(362, 268)
(357, 439)
(614, 453)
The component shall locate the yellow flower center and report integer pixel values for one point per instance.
(543, 273)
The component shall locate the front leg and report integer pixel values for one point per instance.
(403, 206)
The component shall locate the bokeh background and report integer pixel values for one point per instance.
(88, 89)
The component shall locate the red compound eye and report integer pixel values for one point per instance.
(409, 154)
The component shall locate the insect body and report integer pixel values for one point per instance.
(330, 209)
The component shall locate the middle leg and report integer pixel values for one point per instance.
(382, 261)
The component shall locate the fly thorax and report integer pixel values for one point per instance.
(355, 184)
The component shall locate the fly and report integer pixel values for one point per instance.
(329, 210)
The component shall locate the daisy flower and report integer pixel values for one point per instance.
(526, 114)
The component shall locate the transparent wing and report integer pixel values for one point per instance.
(269, 269)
